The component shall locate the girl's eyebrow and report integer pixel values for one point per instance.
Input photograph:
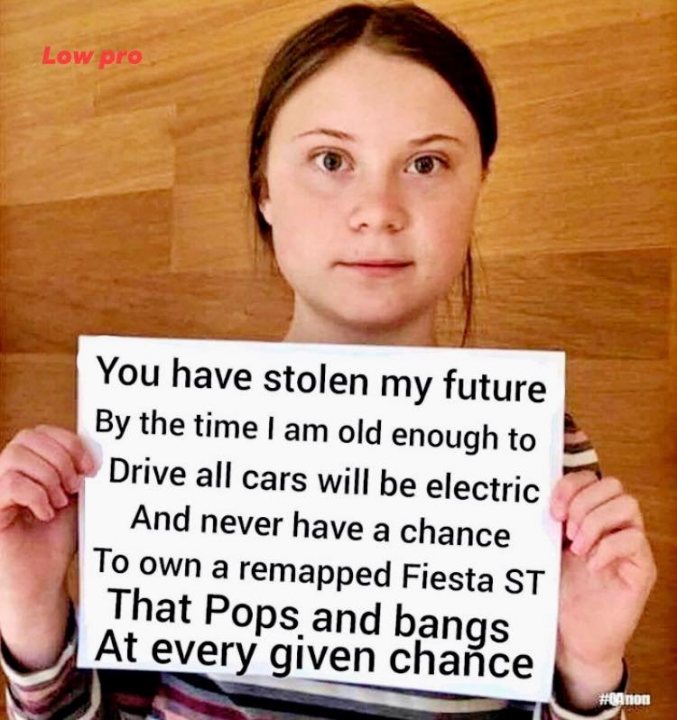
(327, 131)
(435, 136)
(350, 138)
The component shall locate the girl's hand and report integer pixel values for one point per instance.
(608, 571)
(40, 474)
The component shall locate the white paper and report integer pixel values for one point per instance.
(237, 500)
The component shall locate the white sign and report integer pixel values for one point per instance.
(363, 514)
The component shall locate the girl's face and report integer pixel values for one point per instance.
(372, 178)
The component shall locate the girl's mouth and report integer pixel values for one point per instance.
(378, 268)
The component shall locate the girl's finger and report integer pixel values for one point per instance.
(615, 514)
(54, 453)
(565, 490)
(629, 544)
(74, 446)
(26, 461)
(16, 489)
(588, 499)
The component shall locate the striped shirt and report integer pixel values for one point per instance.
(65, 692)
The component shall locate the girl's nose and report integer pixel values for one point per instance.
(378, 206)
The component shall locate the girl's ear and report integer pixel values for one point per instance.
(264, 202)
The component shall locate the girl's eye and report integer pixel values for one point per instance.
(329, 160)
(425, 164)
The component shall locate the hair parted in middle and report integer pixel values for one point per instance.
(401, 29)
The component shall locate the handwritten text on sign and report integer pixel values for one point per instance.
(363, 514)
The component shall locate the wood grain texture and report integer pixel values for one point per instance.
(132, 235)
(123, 210)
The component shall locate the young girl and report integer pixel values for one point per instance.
(370, 143)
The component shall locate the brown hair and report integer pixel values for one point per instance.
(402, 29)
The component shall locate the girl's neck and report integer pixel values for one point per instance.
(308, 327)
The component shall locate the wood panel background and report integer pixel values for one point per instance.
(122, 210)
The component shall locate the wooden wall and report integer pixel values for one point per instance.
(122, 210)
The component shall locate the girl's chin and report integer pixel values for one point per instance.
(372, 319)
(357, 313)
